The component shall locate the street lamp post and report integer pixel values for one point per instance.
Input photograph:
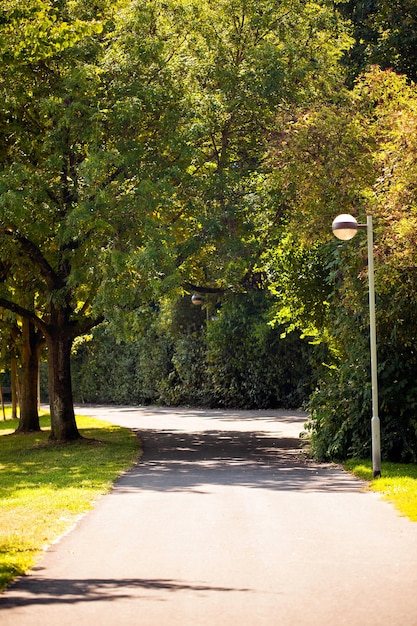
(345, 227)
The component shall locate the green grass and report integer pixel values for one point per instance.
(398, 483)
(44, 487)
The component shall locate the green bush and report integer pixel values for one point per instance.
(105, 370)
(250, 364)
(341, 407)
(233, 359)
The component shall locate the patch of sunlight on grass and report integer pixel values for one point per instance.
(397, 484)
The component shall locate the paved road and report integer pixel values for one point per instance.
(224, 523)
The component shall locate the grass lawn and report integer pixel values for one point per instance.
(398, 483)
(45, 487)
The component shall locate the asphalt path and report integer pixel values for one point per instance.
(224, 522)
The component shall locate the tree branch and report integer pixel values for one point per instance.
(25, 313)
(201, 289)
(111, 178)
(35, 256)
(81, 328)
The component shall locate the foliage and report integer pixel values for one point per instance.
(188, 382)
(398, 483)
(340, 424)
(297, 277)
(385, 34)
(78, 181)
(362, 161)
(244, 62)
(106, 370)
(132, 162)
(230, 357)
(45, 487)
(250, 364)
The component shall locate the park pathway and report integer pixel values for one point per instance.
(224, 523)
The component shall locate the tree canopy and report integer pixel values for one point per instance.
(152, 150)
(80, 180)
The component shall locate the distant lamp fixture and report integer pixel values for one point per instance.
(197, 299)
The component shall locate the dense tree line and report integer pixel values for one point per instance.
(356, 156)
(229, 358)
(150, 151)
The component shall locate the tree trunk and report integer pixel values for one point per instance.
(2, 401)
(29, 357)
(59, 342)
(14, 383)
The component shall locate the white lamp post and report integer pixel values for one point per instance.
(345, 227)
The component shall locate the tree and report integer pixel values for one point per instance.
(30, 342)
(26, 343)
(245, 62)
(76, 186)
(358, 157)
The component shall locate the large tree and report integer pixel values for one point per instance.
(246, 61)
(78, 176)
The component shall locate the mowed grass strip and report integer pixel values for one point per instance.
(45, 487)
(397, 484)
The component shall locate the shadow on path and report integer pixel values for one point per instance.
(47, 591)
(178, 461)
(190, 462)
